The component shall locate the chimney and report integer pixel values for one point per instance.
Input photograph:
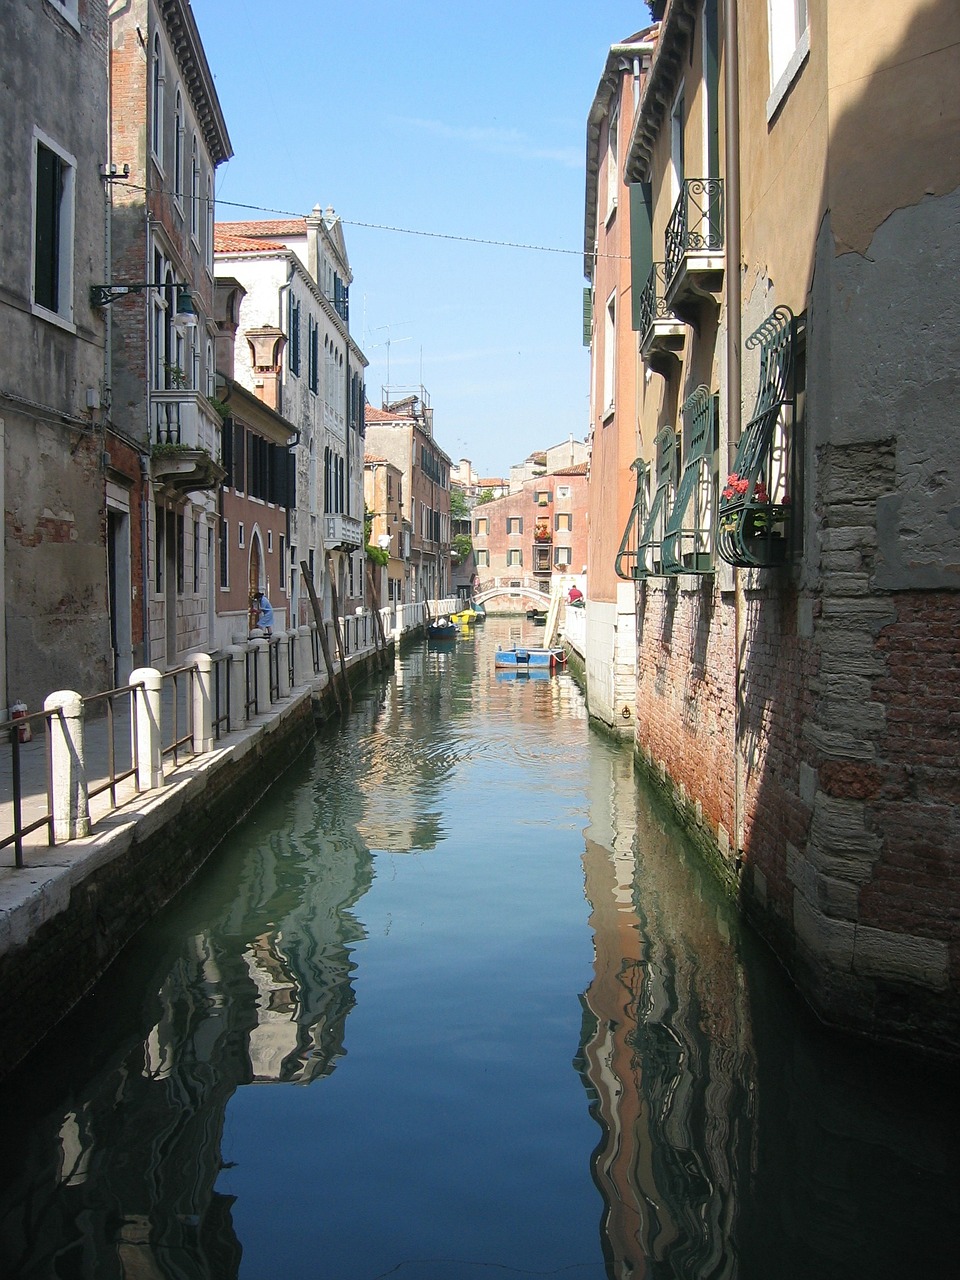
(266, 353)
(228, 294)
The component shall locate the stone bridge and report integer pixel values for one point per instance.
(517, 588)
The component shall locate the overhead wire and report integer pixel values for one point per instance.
(380, 226)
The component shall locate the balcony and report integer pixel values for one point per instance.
(342, 532)
(185, 450)
(694, 251)
(661, 333)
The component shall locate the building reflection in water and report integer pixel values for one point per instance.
(252, 985)
(739, 1137)
(665, 1049)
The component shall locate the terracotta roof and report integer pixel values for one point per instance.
(374, 458)
(266, 228)
(578, 469)
(492, 482)
(372, 414)
(228, 242)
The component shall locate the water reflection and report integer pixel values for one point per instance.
(731, 1138)
(738, 1137)
(255, 988)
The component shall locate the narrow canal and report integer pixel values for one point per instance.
(458, 1002)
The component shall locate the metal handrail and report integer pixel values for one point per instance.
(179, 740)
(113, 777)
(12, 728)
(695, 225)
(221, 695)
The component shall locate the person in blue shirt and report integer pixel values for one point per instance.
(265, 614)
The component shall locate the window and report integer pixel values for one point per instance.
(283, 564)
(482, 527)
(514, 524)
(293, 337)
(196, 556)
(544, 498)
(483, 559)
(313, 354)
(515, 558)
(160, 545)
(195, 190)
(609, 354)
(562, 556)
(156, 101)
(211, 371)
(53, 228)
(68, 8)
(563, 491)
(269, 539)
(224, 554)
(180, 552)
(613, 167)
(789, 36)
(240, 539)
(208, 222)
(564, 521)
(178, 131)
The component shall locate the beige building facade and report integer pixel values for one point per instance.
(792, 547)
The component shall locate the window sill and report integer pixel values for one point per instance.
(53, 317)
(608, 413)
(69, 15)
(790, 73)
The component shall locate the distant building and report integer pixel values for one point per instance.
(402, 432)
(294, 348)
(535, 536)
(389, 531)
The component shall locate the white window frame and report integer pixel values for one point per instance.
(63, 315)
(613, 159)
(562, 556)
(68, 10)
(157, 81)
(515, 558)
(179, 135)
(240, 535)
(208, 224)
(610, 355)
(195, 192)
(483, 558)
(788, 46)
(211, 371)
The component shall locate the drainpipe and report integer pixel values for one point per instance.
(732, 301)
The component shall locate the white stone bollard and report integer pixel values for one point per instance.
(305, 672)
(202, 702)
(262, 650)
(237, 655)
(71, 806)
(146, 684)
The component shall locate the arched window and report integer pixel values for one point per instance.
(178, 149)
(195, 190)
(211, 371)
(156, 101)
(208, 247)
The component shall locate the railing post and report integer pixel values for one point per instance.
(146, 684)
(283, 666)
(202, 703)
(304, 655)
(261, 648)
(236, 656)
(71, 807)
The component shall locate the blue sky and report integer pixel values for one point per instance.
(466, 121)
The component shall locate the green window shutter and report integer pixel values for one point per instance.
(641, 246)
(587, 316)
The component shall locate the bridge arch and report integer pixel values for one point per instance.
(512, 588)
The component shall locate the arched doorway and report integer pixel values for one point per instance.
(254, 578)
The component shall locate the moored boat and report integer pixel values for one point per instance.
(521, 658)
(441, 629)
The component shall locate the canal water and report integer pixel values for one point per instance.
(457, 1001)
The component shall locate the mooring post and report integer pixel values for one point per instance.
(146, 684)
(71, 807)
(202, 703)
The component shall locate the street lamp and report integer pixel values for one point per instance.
(185, 316)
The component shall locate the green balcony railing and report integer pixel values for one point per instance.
(696, 224)
(688, 535)
(755, 512)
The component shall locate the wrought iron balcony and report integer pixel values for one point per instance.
(661, 333)
(755, 514)
(694, 250)
(185, 452)
(342, 531)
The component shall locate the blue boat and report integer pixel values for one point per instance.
(442, 630)
(521, 659)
